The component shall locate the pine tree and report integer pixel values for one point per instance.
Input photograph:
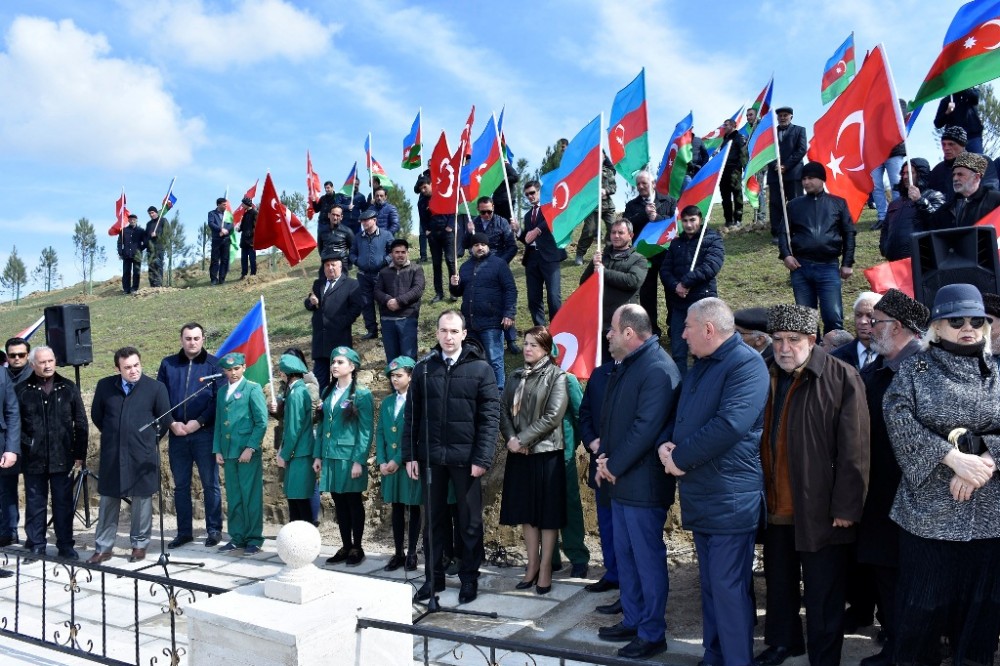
(14, 276)
(45, 271)
(89, 254)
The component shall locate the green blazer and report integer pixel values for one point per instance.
(240, 421)
(298, 441)
(389, 436)
(340, 439)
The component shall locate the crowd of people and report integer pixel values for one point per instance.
(863, 465)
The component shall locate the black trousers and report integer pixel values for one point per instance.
(648, 298)
(442, 246)
(248, 262)
(793, 188)
(539, 274)
(731, 189)
(300, 509)
(366, 282)
(469, 496)
(154, 266)
(36, 500)
(130, 275)
(219, 264)
(823, 575)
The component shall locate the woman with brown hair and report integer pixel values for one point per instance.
(534, 486)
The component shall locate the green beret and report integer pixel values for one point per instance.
(398, 363)
(231, 360)
(347, 353)
(292, 365)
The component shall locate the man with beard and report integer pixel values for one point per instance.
(972, 200)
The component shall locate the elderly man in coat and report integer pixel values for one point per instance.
(130, 461)
(712, 449)
(335, 302)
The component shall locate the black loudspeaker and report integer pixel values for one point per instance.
(67, 331)
(966, 255)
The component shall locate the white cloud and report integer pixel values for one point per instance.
(255, 31)
(67, 100)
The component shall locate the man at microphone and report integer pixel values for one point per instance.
(648, 207)
(184, 374)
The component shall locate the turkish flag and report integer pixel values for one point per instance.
(278, 226)
(576, 328)
(240, 210)
(313, 189)
(858, 132)
(445, 170)
(121, 216)
(466, 138)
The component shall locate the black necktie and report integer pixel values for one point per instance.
(869, 357)
(128, 387)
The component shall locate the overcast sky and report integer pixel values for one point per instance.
(98, 95)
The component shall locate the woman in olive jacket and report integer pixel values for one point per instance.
(534, 485)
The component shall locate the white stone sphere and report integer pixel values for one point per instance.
(298, 544)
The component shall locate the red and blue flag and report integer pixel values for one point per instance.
(676, 157)
(838, 71)
(250, 339)
(572, 191)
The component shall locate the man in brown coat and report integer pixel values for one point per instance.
(814, 451)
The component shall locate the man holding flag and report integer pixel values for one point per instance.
(219, 265)
(154, 255)
(792, 148)
(131, 243)
(648, 206)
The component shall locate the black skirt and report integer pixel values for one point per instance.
(534, 490)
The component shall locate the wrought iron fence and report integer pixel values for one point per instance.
(493, 651)
(95, 612)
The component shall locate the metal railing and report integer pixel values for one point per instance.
(496, 651)
(95, 612)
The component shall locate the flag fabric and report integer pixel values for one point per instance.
(234, 243)
(279, 227)
(576, 328)
(838, 71)
(465, 140)
(444, 178)
(628, 129)
(572, 191)
(762, 147)
(347, 188)
(250, 339)
(656, 236)
(375, 169)
(858, 132)
(508, 154)
(751, 192)
(121, 216)
(313, 189)
(969, 56)
(763, 102)
(676, 158)
(412, 146)
(713, 140)
(484, 171)
(169, 201)
(28, 332)
(240, 210)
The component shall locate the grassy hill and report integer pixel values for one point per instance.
(151, 319)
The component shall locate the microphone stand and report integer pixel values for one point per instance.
(433, 605)
(164, 559)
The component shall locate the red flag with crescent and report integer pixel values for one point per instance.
(121, 216)
(576, 329)
(445, 169)
(240, 210)
(313, 189)
(279, 227)
(858, 132)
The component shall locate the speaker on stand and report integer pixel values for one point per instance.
(949, 256)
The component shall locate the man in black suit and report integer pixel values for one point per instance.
(335, 301)
(859, 352)
(648, 207)
(792, 146)
(541, 259)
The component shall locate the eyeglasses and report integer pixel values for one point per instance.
(958, 322)
(530, 193)
(17, 355)
(486, 213)
(875, 322)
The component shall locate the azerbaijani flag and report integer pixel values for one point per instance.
(763, 146)
(676, 157)
(250, 339)
(700, 192)
(628, 129)
(573, 190)
(713, 140)
(751, 192)
(483, 173)
(969, 56)
(375, 169)
(234, 243)
(508, 154)
(170, 200)
(348, 187)
(28, 332)
(411, 146)
(763, 102)
(838, 71)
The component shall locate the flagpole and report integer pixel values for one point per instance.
(600, 312)
(354, 182)
(600, 182)
(159, 217)
(368, 157)
(118, 220)
(704, 225)
(503, 166)
(267, 352)
(459, 195)
(899, 118)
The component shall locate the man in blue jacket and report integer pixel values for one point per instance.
(191, 432)
(218, 265)
(712, 449)
(370, 253)
(638, 402)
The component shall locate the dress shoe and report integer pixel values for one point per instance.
(36, 553)
(212, 539)
(338, 557)
(411, 563)
(579, 571)
(6, 541)
(853, 623)
(99, 557)
(180, 541)
(355, 557)
(578, 261)
(610, 609)
(395, 562)
(424, 593)
(775, 655)
(370, 335)
(525, 584)
(468, 592)
(452, 569)
(251, 549)
(883, 658)
(602, 585)
(138, 555)
(228, 548)
(640, 648)
(437, 298)
(617, 632)
(6, 573)
(543, 589)
(69, 554)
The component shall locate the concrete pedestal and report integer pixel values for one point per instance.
(246, 627)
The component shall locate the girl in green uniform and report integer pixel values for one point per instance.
(398, 489)
(341, 450)
(296, 452)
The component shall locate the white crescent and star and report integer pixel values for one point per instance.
(995, 22)
(841, 67)
(620, 135)
(446, 166)
(562, 186)
(854, 118)
(571, 347)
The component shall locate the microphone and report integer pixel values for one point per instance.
(207, 377)
(428, 357)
